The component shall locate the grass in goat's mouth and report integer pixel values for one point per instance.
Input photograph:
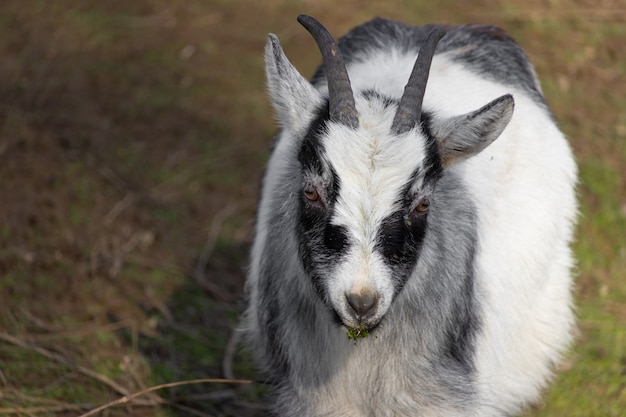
(355, 333)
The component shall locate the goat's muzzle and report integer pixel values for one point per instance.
(362, 306)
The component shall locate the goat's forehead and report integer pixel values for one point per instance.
(373, 168)
(371, 155)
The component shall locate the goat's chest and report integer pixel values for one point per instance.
(375, 380)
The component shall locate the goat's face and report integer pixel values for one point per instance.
(363, 210)
(369, 167)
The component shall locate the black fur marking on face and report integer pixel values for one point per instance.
(309, 156)
(321, 243)
(432, 160)
(401, 234)
(399, 240)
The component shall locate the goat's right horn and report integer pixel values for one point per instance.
(410, 107)
(340, 97)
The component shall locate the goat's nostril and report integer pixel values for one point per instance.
(362, 303)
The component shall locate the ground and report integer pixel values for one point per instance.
(133, 135)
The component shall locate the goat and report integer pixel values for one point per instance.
(411, 252)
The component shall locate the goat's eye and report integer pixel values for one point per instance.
(311, 194)
(422, 206)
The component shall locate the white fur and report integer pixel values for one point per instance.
(373, 166)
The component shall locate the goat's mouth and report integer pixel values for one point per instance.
(361, 329)
(358, 326)
(359, 315)
(359, 332)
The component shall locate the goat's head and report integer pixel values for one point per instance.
(369, 166)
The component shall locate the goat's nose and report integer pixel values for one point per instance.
(362, 303)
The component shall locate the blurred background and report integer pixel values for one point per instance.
(133, 135)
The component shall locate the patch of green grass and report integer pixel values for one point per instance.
(105, 337)
(594, 386)
(10, 280)
(76, 215)
(39, 377)
(190, 345)
(15, 361)
(161, 372)
(168, 214)
(40, 282)
(109, 367)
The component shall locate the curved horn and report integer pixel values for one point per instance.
(341, 100)
(410, 107)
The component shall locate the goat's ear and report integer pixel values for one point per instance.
(464, 136)
(293, 97)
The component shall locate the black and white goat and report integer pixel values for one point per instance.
(428, 216)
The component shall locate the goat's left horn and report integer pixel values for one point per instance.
(340, 97)
(410, 107)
